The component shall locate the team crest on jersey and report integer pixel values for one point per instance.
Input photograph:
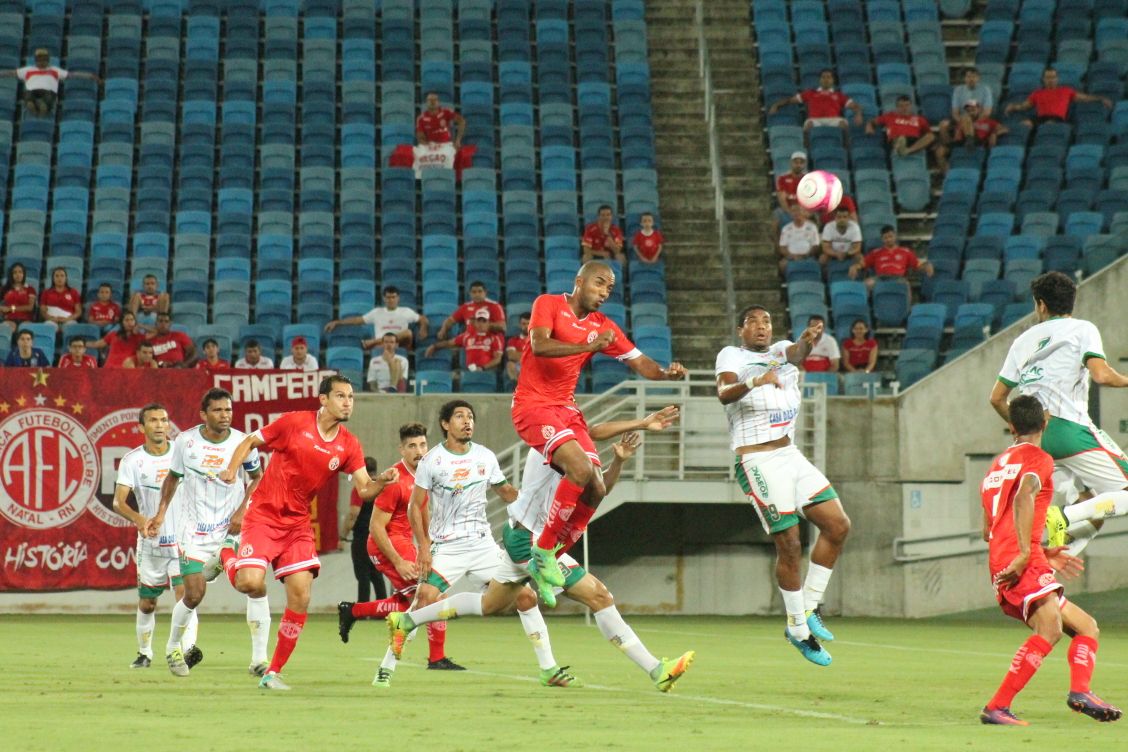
(1047, 579)
(482, 470)
(591, 337)
(246, 550)
(548, 432)
(334, 463)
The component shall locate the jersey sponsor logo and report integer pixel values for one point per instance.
(761, 484)
(548, 432)
(461, 473)
(1031, 375)
(779, 418)
(334, 463)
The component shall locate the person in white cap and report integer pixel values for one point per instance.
(786, 185)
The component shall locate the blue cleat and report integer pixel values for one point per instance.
(817, 627)
(810, 648)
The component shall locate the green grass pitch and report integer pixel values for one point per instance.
(894, 685)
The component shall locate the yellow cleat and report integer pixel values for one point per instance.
(1055, 526)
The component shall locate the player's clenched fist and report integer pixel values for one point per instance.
(389, 476)
(227, 474)
(603, 341)
(676, 371)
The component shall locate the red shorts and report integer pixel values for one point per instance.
(1037, 581)
(547, 428)
(406, 549)
(286, 549)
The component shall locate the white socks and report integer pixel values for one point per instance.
(258, 619)
(537, 630)
(462, 604)
(191, 631)
(146, 623)
(814, 587)
(389, 661)
(619, 633)
(181, 616)
(796, 614)
(1108, 504)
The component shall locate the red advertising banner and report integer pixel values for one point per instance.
(62, 434)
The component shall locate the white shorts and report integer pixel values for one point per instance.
(1101, 467)
(156, 567)
(780, 484)
(510, 570)
(476, 558)
(838, 122)
(200, 547)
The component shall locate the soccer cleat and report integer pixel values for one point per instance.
(1055, 526)
(272, 680)
(176, 663)
(544, 588)
(444, 664)
(141, 661)
(544, 561)
(397, 631)
(816, 625)
(670, 670)
(1093, 706)
(1000, 717)
(383, 679)
(810, 648)
(258, 669)
(213, 567)
(345, 619)
(192, 656)
(559, 677)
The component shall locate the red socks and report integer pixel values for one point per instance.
(563, 506)
(436, 640)
(288, 632)
(378, 609)
(1082, 661)
(1023, 666)
(576, 525)
(228, 557)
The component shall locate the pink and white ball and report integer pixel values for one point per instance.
(819, 191)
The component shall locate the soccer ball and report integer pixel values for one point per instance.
(819, 191)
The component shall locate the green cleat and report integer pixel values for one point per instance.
(383, 679)
(399, 624)
(272, 680)
(669, 671)
(545, 589)
(1055, 526)
(176, 663)
(559, 677)
(544, 561)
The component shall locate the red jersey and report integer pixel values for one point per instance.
(908, 126)
(465, 313)
(984, 128)
(20, 297)
(302, 462)
(394, 500)
(846, 203)
(998, 491)
(88, 361)
(891, 262)
(121, 347)
(552, 381)
(788, 183)
(149, 301)
(435, 125)
(219, 365)
(648, 246)
(59, 302)
(518, 342)
(596, 239)
(103, 313)
(858, 353)
(171, 348)
(823, 103)
(1053, 102)
(480, 348)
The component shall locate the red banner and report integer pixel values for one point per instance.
(62, 434)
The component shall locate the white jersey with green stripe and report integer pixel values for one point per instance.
(767, 412)
(207, 503)
(1048, 361)
(144, 473)
(457, 485)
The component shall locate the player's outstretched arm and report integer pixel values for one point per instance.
(1104, 374)
(648, 369)
(367, 487)
(229, 473)
(799, 351)
(658, 421)
(999, 394)
(624, 450)
(121, 506)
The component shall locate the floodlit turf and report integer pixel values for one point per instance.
(894, 685)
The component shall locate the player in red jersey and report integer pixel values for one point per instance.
(392, 550)
(309, 447)
(1016, 492)
(564, 333)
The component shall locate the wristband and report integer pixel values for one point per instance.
(750, 382)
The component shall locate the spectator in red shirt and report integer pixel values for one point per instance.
(831, 215)
(104, 311)
(602, 239)
(483, 348)
(860, 348)
(149, 301)
(1051, 102)
(60, 304)
(76, 356)
(824, 105)
(786, 186)
(973, 131)
(648, 240)
(172, 349)
(465, 313)
(122, 341)
(515, 347)
(41, 82)
(211, 360)
(904, 129)
(433, 124)
(18, 296)
(890, 261)
(143, 358)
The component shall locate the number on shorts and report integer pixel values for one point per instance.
(773, 513)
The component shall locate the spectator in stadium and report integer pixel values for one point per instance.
(786, 185)
(515, 348)
(104, 311)
(974, 131)
(122, 341)
(387, 370)
(841, 239)
(846, 203)
(391, 318)
(483, 348)
(824, 105)
(171, 348)
(433, 124)
(648, 240)
(60, 304)
(971, 90)
(143, 358)
(906, 131)
(797, 240)
(465, 313)
(211, 360)
(41, 82)
(24, 353)
(824, 356)
(299, 358)
(149, 301)
(76, 356)
(890, 261)
(861, 349)
(18, 303)
(1051, 102)
(603, 240)
(253, 358)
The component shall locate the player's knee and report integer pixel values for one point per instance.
(146, 605)
(838, 529)
(526, 599)
(788, 546)
(582, 474)
(1051, 633)
(601, 597)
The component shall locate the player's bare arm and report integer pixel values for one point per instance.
(1023, 527)
(228, 474)
(367, 487)
(649, 369)
(168, 490)
(236, 523)
(624, 449)
(1104, 374)
(415, 516)
(999, 394)
(378, 529)
(656, 421)
(544, 346)
(121, 506)
(731, 389)
(799, 351)
(506, 491)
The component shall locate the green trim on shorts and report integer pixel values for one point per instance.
(775, 521)
(189, 566)
(147, 591)
(177, 581)
(827, 494)
(519, 543)
(1065, 438)
(435, 580)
